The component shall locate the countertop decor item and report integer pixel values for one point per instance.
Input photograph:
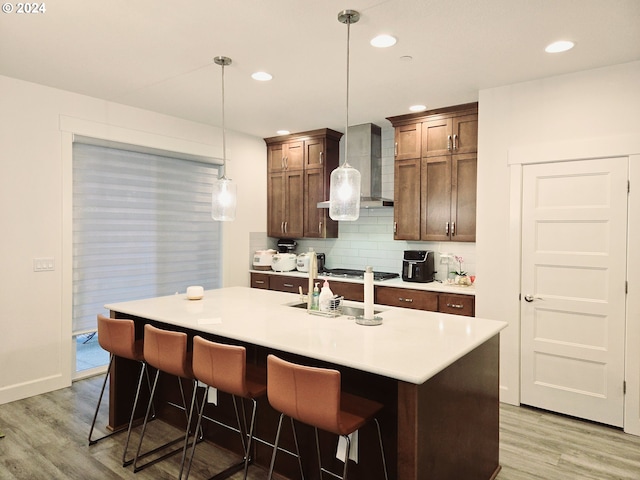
(224, 194)
(344, 188)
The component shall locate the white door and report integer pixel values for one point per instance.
(574, 223)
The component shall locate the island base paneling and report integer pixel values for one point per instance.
(445, 428)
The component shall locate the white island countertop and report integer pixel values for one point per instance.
(410, 345)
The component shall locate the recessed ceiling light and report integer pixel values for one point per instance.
(283, 132)
(383, 41)
(417, 108)
(262, 76)
(559, 46)
(406, 58)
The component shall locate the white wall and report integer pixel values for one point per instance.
(587, 109)
(35, 325)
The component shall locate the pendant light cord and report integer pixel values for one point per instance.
(346, 129)
(224, 139)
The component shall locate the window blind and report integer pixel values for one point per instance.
(142, 228)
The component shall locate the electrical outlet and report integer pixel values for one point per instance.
(44, 264)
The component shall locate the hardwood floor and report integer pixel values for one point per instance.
(46, 438)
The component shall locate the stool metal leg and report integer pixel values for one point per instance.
(144, 372)
(95, 415)
(384, 462)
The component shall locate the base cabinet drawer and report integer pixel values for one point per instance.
(260, 280)
(288, 284)
(407, 298)
(350, 291)
(457, 304)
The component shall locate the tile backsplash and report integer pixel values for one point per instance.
(369, 240)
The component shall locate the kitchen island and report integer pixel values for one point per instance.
(437, 374)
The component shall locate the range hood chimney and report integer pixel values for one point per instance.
(365, 155)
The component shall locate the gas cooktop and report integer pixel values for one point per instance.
(350, 273)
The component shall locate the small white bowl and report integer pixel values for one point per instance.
(195, 292)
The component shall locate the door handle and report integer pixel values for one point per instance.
(449, 143)
(531, 298)
(321, 157)
(455, 142)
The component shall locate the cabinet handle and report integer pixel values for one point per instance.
(288, 285)
(408, 300)
(453, 229)
(454, 305)
(285, 227)
(286, 163)
(449, 142)
(455, 141)
(259, 282)
(282, 163)
(446, 229)
(282, 227)
(395, 149)
(320, 228)
(321, 157)
(395, 227)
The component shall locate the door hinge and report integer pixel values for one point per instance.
(626, 287)
(624, 387)
(628, 186)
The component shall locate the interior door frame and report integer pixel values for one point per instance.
(579, 149)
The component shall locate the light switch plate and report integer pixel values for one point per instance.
(44, 264)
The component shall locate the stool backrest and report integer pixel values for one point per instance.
(166, 350)
(311, 395)
(117, 336)
(221, 366)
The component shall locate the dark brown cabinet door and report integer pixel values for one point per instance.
(465, 134)
(317, 223)
(457, 304)
(406, 212)
(348, 290)
(436, 198)
(284, 198)
(275, 204)
(463, 197)
(275, 157)
(294, 155)
(294, 197)
(407, 142)
(314, 153)
(260, 280)
(437, 137)
(406, 297)
(283, 283)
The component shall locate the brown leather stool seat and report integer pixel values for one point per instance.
(167, 352)
(225, 368)
(117, 336)
(313, 396)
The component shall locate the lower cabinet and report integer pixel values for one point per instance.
(393, 296)
(457, 304)
(407, 298)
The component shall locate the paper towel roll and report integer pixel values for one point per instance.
(368, 293)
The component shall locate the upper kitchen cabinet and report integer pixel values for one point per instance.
(285, 156)
(435, 174)
(299, 170)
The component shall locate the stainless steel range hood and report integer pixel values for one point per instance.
(365, 155)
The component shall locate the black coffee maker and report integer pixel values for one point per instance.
(418, 266)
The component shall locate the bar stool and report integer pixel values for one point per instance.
(117, 336)
(225, 368)
(166, 351)
(313, 396)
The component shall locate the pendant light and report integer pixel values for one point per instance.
(224, 194)
(344, 189)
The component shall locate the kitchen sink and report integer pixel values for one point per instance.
(344, 310)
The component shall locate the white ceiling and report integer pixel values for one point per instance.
(158, 54)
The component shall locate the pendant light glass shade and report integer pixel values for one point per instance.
(344, 193)
(344, 187)
(224, 194)
(224, 200)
